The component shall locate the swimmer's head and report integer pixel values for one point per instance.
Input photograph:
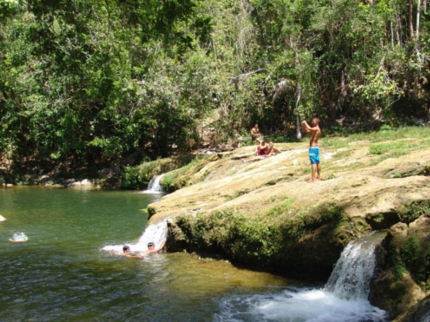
(151, 245)
(126, 249)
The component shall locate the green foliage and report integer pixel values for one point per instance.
(181, 177)
(413, 210)
(87, 84)
(417, 259)
(389, 147)
(334, 143)
(138, 177)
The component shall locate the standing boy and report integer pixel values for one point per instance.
(314, 149)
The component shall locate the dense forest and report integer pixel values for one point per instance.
(88, 84)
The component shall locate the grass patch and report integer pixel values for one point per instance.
(342, 154)
(334, 143)
(352, 166)
(401, 146)
(283, 208)
(393, 155)
(239, 193)
(386, 133)
(395, 149)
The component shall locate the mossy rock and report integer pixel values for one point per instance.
(419, 313)
(304, 244)
(403, 267)
(138, 177)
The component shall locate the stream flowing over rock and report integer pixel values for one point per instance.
(344, 297)
(265, 215)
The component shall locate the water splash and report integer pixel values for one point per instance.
(351, 275)
(154, 186)
(344, 297)
(153, 233)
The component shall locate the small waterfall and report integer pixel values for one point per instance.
(153, 233)
(154, 185)
(351, 275)
(344, 297)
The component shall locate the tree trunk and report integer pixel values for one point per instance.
(418, 19)
(392, 34)
(299, 96)
(411, 18)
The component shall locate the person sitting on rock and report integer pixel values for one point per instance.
(267, 149)
(264, 150)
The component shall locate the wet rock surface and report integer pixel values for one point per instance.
(265, 215)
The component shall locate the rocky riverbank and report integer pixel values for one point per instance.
(265, 214)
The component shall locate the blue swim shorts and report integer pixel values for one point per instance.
(314, 154)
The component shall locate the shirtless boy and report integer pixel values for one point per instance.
(314, 149)
(255, 133)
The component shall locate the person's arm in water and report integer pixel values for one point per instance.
(156, 250)
(161, 246)
(133, 255)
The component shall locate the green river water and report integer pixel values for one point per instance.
(61, 274)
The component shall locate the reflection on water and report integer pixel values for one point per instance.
(60, 274)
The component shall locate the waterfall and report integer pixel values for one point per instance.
(343, 298)
(351, 275)
(153, 233)
(154, 185)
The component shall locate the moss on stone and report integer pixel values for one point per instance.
(303, 243)
(413, 210)
(182, 177)
(138, 177)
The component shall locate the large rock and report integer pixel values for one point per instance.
(419, 313)
(267, 216)
(403, 271)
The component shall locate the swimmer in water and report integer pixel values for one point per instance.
(152, 249)
(18, 238)
(126, 251)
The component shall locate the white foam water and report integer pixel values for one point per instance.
(298, 305)
(350, 278)
(344, 297)
(154, 186)
(153, 233)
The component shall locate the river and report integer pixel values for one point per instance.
(61, 273)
